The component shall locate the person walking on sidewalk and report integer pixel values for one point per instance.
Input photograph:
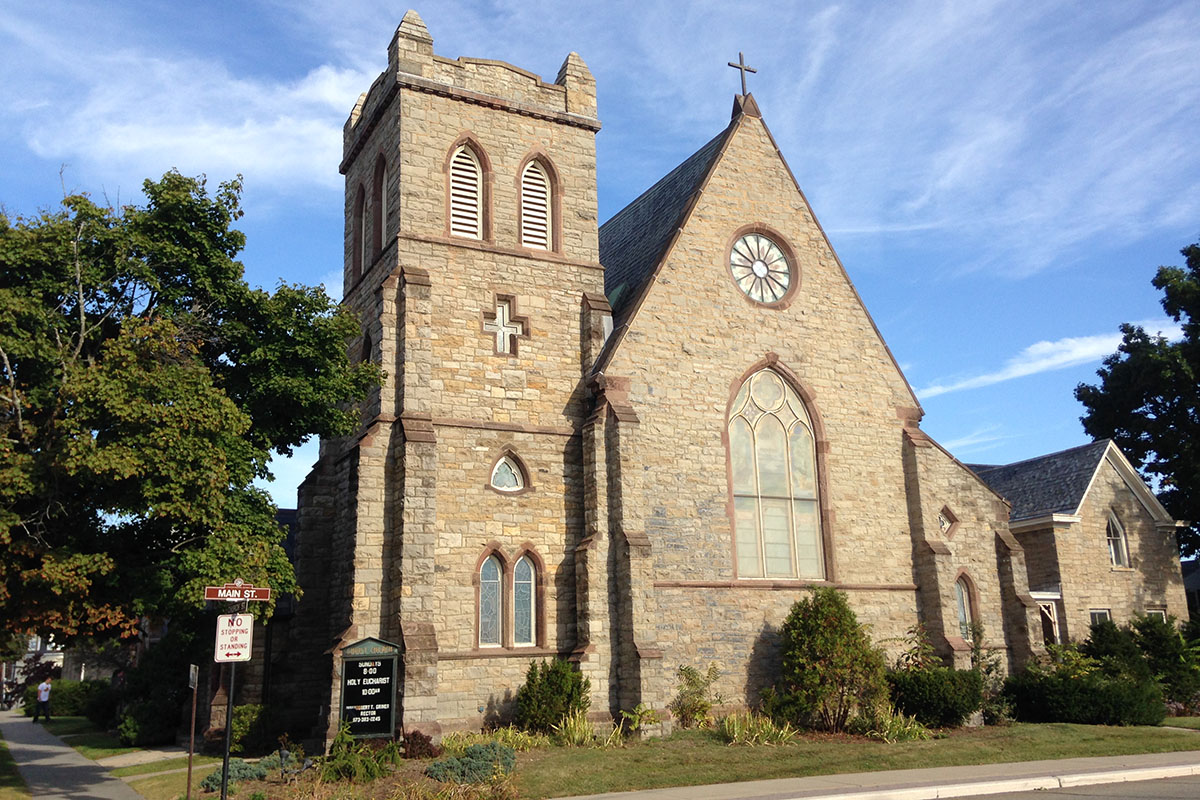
(43, 701)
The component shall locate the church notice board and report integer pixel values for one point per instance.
(369, 688)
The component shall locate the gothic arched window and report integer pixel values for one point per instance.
(491, 604)
(535, 207)
(773, 467)
(1118, 545)
(962, 596)
(525, 603)
(379, 208)
(507, 475)
(358, 234)
(466, 193)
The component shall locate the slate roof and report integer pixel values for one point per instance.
(1050, 484)
(634, 240)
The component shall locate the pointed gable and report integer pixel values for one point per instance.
(1049, 484)
(634, 241)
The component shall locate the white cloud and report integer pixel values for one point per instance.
(975, 441)
(1046, 356)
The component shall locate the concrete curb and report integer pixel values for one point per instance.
(1001, 786)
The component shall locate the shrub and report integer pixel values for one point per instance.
(454, 744)
(148, 723)
(938, 697)
(248, 730)
(829, 665)
(642, 716)
(1073, 687)
(67, 698)
(746, 727)
(350, 760)
(996, 708)
(574, 730)
(478, 763)
(101, 707)
(551, 691)
(420, 745)
(888, 725)
(694, 698)
(1168, 656)
(238, 771)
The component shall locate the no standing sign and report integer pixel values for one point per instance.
(235, 637)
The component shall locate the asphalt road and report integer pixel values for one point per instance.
(1187, 788)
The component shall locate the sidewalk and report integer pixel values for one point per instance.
(939, 782)
(53, 770)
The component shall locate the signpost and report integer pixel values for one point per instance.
(235, 641)
(369, 688)
(193, 681)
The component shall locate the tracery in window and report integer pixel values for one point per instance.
(507, 475)
(466, 194)
(772, 454)
(1118, 546)
(524, 603)
(535, 207)
(491, 607)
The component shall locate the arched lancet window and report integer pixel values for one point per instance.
(358, 233)
(507, 475)
(524, 603)
(1118, 545)
(535, 207)
(379, 208)
(773, 464)
(962, 592)
(466, 194)
(491, 606)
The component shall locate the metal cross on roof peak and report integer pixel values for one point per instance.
(741, 65)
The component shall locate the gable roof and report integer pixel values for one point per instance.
(634, 241)
(1049, 484)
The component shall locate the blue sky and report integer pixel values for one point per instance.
(999, 178)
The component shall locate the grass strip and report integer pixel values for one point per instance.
(691, 758)
(12, 785)
(1183, 722)
(86, 738)
(171, 786)
(165, 765)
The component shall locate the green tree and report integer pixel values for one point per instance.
(1148, 399)
(143, 387)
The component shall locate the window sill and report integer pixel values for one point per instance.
(498, 652)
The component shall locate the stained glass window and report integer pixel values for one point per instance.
(772, 453)
(759, 268)
(490, 605)
(524, 600)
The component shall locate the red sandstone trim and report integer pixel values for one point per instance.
(511, 427)
(782, 242)
(538, 154)
(491, 247)
(771, 584)
(485, 176)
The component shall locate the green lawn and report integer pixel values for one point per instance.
(11, 785)
(169, 787)
(692, 757)
(90, 741)
(1183, 722)
(198, 762)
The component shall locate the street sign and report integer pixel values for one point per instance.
(235, 637)
(193, 676)
(236, 591)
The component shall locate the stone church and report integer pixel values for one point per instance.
(635, 445)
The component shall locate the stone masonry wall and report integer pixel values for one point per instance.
(685, 354)
(1090, 581)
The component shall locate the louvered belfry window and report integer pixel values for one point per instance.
(466, 194)
(535, 207)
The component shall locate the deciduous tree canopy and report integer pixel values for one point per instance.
(143, 387)
(1148, 399)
